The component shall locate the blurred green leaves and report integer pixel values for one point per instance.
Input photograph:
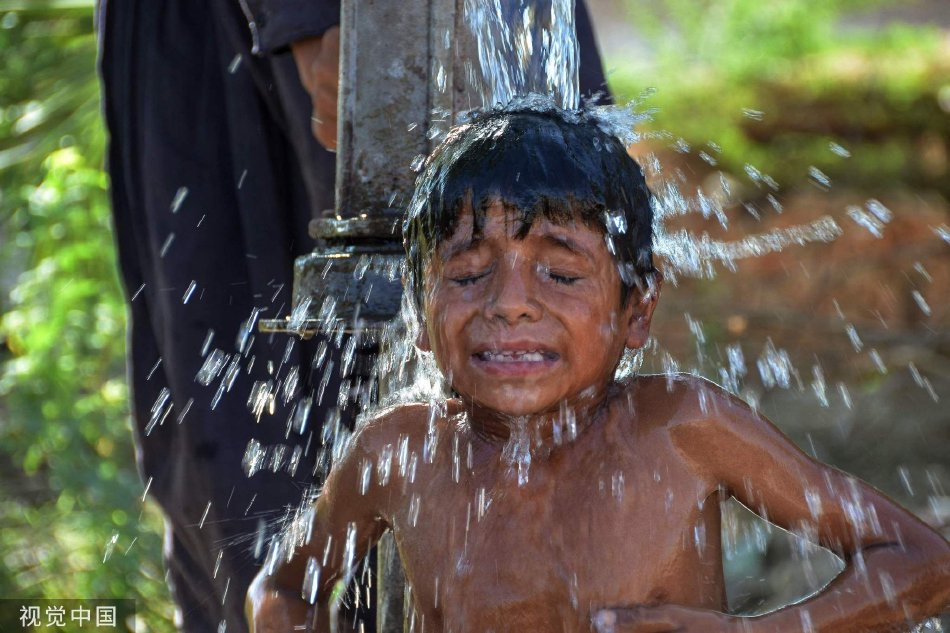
(773, 84)
(72, 520)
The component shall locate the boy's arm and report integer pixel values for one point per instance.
(320, 549)
(898, 569)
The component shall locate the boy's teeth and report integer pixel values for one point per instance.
(512, 357)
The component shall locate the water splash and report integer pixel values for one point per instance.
(517, 451)
(523, 48)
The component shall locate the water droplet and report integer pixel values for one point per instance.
(212, 367)
(615, 222)
(819, 178)
(818, 385)
(207, 343)
(440, 79)
(235, 64)
(681, 146)
(699, 538)
(853, 336)
(904, 475)
(179, 199)
(366, 473)
(204, 516)
(775, 366)
(260, 398)
(617, 485)
(414, 505)
(696, 328)
(167, 245)
(845, 395)
(921, 302)
(866, 221)
(190, 291)
(384, 465)
(877, 360)
(878, 210)
(839, 150)
(919, 268)
(758, 178)
(813, 499)
(291, 383)
(755, 115)
(311, 580)
(185, 409)
(517, 451)
(160, 409)
(110, 546)
(245, 331)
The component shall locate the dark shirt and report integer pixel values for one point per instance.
(275, 24)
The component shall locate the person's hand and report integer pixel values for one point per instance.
(271, 611)
(318, 64)
(663, 619)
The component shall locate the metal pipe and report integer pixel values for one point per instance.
(403, 70)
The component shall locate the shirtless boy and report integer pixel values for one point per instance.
(545, 495)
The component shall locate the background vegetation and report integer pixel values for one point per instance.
(771, 84)
(774, 83)
(72, 520)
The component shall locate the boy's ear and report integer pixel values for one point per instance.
(640, 312)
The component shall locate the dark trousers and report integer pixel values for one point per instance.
(214, 178)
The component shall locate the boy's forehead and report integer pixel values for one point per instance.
(571, 234)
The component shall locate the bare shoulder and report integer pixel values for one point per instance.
(686, 404)
(711, 427)
(676, 398)
(389, 425)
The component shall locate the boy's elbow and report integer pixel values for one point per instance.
(927, 561)
(938, 556)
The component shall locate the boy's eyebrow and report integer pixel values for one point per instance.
(451, 250)
(558, 241)
(564, 242)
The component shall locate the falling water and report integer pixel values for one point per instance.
(524, 48)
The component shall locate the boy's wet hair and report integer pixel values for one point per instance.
(557, 164)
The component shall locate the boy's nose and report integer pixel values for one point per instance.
(510, 296)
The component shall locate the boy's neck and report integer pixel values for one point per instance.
(546, 429)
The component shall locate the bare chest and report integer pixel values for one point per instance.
(575, 536)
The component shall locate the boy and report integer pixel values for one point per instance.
(545, 495)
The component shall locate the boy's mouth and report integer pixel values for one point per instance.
(515, 356)
(516, 359)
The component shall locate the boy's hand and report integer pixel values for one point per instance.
(318, 64)
(663, 619)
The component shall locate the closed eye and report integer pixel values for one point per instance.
(560, 277)
(467, 280)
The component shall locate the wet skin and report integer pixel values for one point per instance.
(619, 525)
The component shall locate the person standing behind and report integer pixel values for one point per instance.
(218, 115)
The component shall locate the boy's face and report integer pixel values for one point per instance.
(520, 325)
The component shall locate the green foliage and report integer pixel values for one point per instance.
(740, 38)
(72, 521)
(775, 83)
